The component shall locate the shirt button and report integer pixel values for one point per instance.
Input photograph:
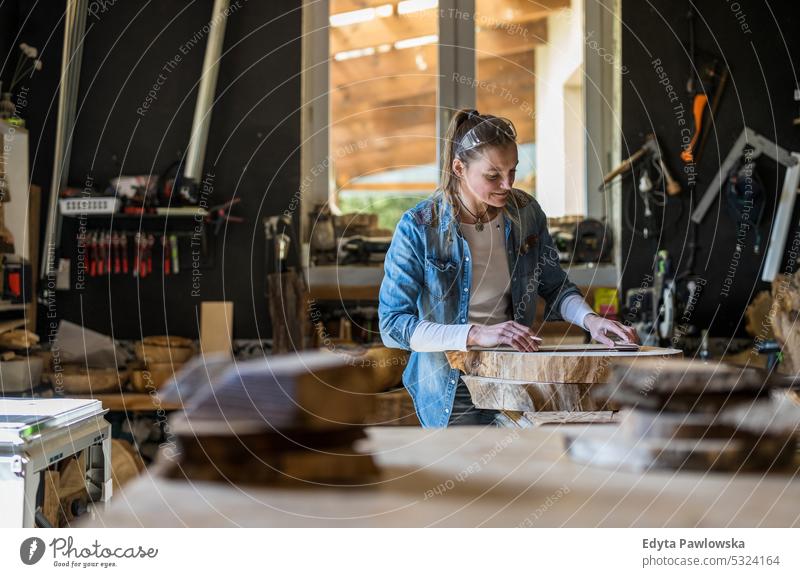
(466, 290)
(515, 278)
(447, 411)
(467, 259)
(452, 380)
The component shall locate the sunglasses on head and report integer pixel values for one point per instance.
(488, 130)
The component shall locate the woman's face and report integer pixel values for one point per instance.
(490, 177)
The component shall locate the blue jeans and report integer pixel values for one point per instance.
(465, 413)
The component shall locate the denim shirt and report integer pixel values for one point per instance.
(428, 276)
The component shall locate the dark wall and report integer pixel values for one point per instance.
(758, 43)
(252, 151)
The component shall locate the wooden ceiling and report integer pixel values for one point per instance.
(389, 98)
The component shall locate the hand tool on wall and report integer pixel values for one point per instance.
(707, 78)
(117, 243)
(101, 253)
(151, 241)
(715, 78)
(719, 88)
(218, 215)
(173, 241)
(651, 148)
(109, 255)
(166, 252)
(124, 247)
(93, 255)
(137, 252)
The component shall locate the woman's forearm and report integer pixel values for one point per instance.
(431, 337)
(574, 310)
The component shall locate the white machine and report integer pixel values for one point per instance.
(35, 434)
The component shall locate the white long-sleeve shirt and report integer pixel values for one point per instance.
(490, 298)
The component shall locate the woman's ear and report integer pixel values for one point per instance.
(458, 167)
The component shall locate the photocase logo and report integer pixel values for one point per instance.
(31, 550)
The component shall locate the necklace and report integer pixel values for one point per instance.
(478, 219)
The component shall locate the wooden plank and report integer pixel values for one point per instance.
(132, 402)
(344, 293)
(537, 419)
(216, 327)
(590, 364)
(514, 395)
(313, 389)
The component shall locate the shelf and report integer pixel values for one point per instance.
(130, 402)
(173, 213)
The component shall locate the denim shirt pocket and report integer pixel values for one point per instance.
(440, 276)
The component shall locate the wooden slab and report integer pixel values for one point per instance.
(528, 420)
(513, 395)
(319, 389)
(216, 327)
(614, 449)
(688, 376)
(588, 364)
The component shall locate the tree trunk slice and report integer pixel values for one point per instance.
(512, 395)
(528, 420)
(587, 365)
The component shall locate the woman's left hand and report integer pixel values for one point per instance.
(600, 329)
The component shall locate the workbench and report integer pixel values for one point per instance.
(470, 476)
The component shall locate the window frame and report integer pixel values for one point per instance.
(456, 56)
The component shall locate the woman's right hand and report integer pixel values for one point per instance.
(508, 333)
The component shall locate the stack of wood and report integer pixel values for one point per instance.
(551, 385)
(391, 404)
(158, 359)
(20, 362)
(694, 416)
(284, 419)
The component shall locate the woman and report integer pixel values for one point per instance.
(465, 268)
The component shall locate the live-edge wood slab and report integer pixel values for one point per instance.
(557, 364)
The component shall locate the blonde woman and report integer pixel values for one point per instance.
(466, 267)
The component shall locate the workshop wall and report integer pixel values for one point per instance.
(747, 37)
(252, 154)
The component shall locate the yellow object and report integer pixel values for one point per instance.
(606, 302)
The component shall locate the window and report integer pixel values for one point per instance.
(383, 80)
(384, 85)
